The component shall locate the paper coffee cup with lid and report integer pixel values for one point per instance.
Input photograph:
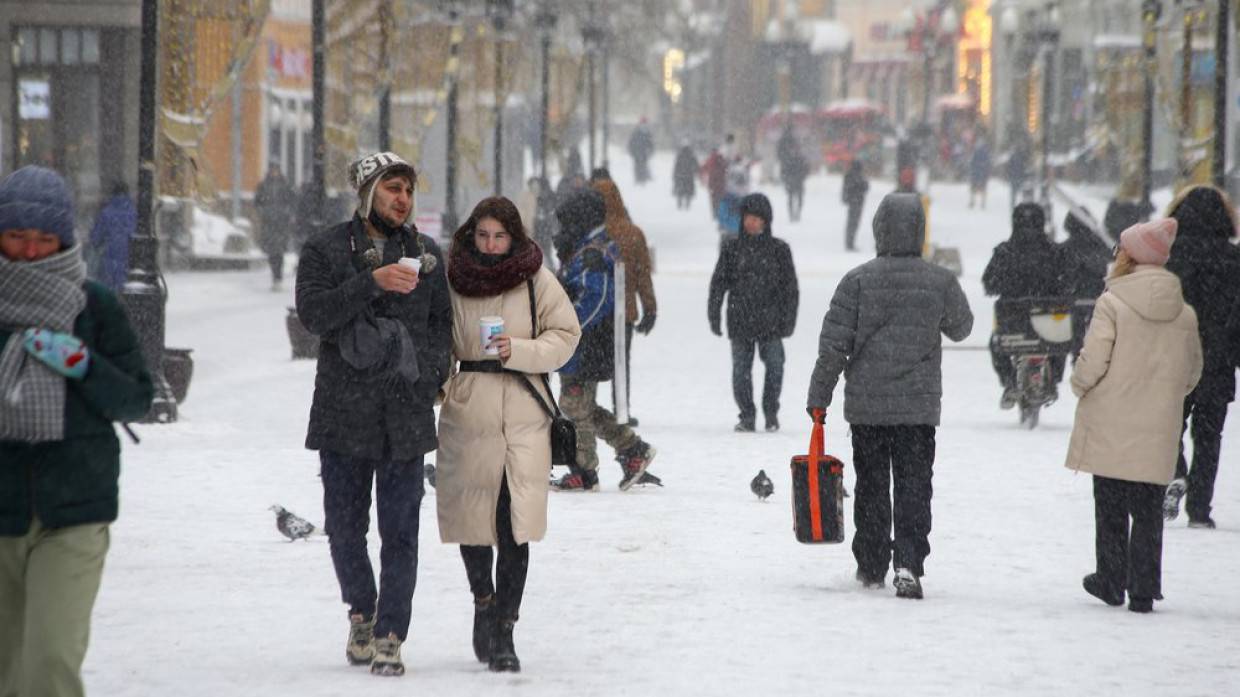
(489, 327)
(411, 262)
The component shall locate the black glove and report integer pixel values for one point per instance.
(715, 329)
(647, 323)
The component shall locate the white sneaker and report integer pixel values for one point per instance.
(1171, 499)
(387, 657)
(360, 650)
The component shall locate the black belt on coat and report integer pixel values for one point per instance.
(482, 367)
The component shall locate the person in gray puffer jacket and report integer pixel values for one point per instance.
(883, 332)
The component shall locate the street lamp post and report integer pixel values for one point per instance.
(545, 20)
(1048, 35)
(500, 12)
(1151, 10)
(592, 38)
(143, 295)
(924, 33)
(1221, 57)
(449, 212)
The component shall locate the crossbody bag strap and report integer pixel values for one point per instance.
(552, 410)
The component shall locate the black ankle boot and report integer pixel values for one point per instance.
(484, 627)
(503, 655)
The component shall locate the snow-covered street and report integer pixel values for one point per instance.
(694, 589)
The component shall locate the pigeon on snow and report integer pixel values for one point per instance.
(292, 526)
(762, 486)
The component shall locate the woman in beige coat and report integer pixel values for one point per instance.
(494, 438)
(1141, 357)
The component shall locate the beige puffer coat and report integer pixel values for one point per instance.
(490, 424)
(1141, 357)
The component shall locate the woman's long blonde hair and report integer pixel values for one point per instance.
(1123, 266)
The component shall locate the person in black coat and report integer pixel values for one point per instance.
(1084, 259)
(793, 170)
(684, 176)
(275, 201)
(385, 341)
(756, 273)
(853, 195)
(1026, 265)
(1208, 264)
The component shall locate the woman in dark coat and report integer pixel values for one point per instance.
(110, 237)
(70, 366)
(1208, 265)
(683, 175)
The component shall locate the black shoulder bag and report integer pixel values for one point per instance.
(563, 430)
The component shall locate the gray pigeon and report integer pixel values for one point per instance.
(292, 526)
(762, 486)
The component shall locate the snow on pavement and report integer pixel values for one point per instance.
(696, 588)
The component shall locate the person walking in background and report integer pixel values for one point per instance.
(1141, 358)
(684, 172)
(1018, 167)
(275, 201)
(1126, 209)
(882, 331)
(638, 284)
(385, 341)
(1208, 266)
(793, 170)
(70, 366)
(494, 437)
(715, 176)
(587, 272)
(756, 274)
(641, 147)
(109, 239)
(1083, 262)
(853, 195)
(979, 170)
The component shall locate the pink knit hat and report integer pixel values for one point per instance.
(1149, 243)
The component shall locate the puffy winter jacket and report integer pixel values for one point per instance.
(758, 277)
(883, 328)
(1208, 266)
(1027, 264)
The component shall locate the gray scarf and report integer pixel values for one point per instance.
(46, 294)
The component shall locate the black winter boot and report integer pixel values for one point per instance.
(1094, 585)
(503, 654)
(484, 627)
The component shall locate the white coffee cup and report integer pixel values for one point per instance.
(411, 262)
(489, 327)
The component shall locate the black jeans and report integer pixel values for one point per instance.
(796, 200)
(854, 221)
(883, 455)
(346, 506)
(1207, 433)
(771, 351)
(512, 568)
(1129, 560)
(276, 262)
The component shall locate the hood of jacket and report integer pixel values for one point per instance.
(758, 205)
(581, 212)
(613, 202)
(1028, 224)
(1203, 213)
(900, 225)
(1151, 291)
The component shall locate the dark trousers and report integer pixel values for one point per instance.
(854, 221)
(796, 200)
(893, 463)
(771, 351)
(276, 262)
(510, 571)
(1207, 433)
(346, 506)
(683, 201)
(1127, 559)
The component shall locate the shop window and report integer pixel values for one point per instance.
(90, 46)
(47, 46)
(70, 49)
(27, 47)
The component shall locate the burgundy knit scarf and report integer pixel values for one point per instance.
(471, 278)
